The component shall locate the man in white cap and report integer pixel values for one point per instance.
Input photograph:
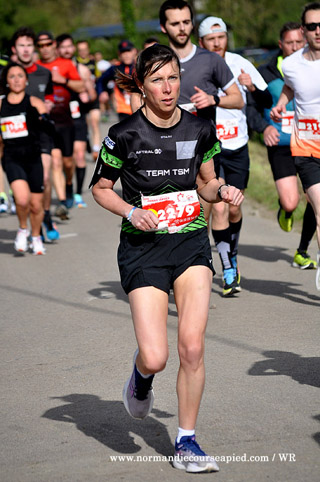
(233, 161)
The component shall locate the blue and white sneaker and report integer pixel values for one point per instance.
(230, 284)
(79, 201)
(234, 264)
(52, 234)
(138, 401)
(4, 205)
(190, 457)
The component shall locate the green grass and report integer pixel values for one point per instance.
(261, 187)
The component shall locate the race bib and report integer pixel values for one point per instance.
(287, 122)
(227, 129)
(175, 210)
(309, 127)
(189, 108)
(75, 109)
(14, 126)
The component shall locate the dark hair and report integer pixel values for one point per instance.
(309, 6)
(23, 32)
(151, 40)
(171, 5)
(287, 27)
(148, 62)
(61, 38)
(4, 75)
(83, 42)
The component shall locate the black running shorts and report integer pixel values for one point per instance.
(159, 259)
(64, 139)
(308, 169)
(26, 168)
(80, 129)
(281, 162)
(234, 166)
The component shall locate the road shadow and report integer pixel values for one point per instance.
(113, 289)
(5, 246)
(108, 422)
(316, 436)
(270, 254)
(282, 289)
(305, 370)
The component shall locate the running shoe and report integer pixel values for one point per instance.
(69, 193)
(234, 264)
(79, 201)
(190, 457)
(36, 245)
(302, 260)
(21, 242)
(138, 401)
(230, 284)
(318, 272)
(13, 208)
(52, 234)
(61, 212)
(285, 220)
(4, 205)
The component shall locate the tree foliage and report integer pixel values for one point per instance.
(253, 22)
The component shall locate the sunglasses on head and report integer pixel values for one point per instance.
(311, 27)
(48, 44)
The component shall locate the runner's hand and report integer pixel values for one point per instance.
(245, 80)
(201, 99)
(143, 219)
(271, 136)
(231, 195)
(277, 111)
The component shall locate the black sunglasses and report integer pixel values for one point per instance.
(48, 44)
(311, 27)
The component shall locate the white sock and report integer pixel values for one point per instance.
(184, 433)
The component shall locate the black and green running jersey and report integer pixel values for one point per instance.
(151, 160)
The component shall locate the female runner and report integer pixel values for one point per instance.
(163, 157)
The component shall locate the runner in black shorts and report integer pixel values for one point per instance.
(79, 107)
(163, 157)
(21, 118)
(276, 136)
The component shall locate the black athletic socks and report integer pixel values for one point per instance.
(309, 226)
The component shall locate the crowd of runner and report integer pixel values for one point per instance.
(184, 112)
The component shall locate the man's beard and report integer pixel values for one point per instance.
(177, 44)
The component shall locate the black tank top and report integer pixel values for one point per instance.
(20, 125)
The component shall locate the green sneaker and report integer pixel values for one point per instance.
(285, 220)
(303, 261)
(318, 272)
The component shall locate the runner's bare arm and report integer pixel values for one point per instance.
(208, 186)
(285, 97)
(104, 195)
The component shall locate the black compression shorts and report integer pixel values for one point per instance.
(159, 259)
(28, 169)
(64, 139)
(281, 162)
(46, 143)
(233, 166)
(308, 169)
(80, 129)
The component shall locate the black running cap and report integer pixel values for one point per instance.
(45, 33)
(125, 46)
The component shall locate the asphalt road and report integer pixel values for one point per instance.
(66, 349)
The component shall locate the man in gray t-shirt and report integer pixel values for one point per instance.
(202, 72)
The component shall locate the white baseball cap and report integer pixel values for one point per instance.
(207, 26)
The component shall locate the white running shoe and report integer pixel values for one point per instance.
(21, 242)
(37, 245)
